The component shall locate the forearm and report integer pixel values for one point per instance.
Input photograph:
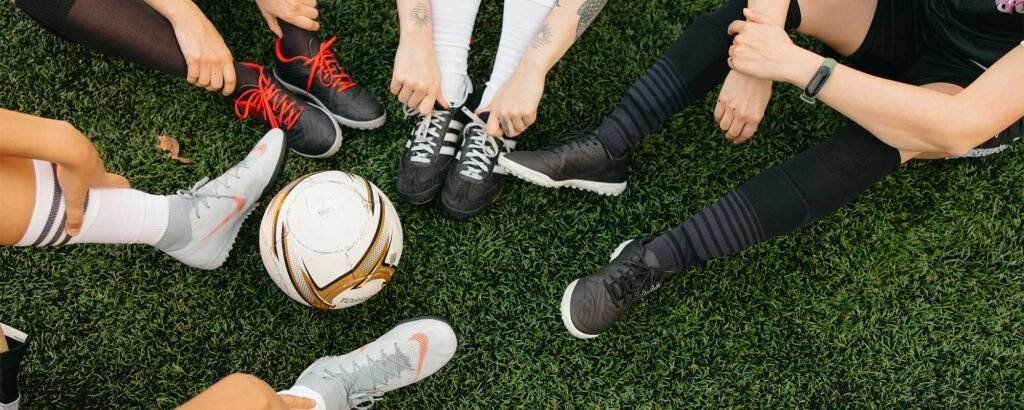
(775, 10)
(171, 10)
(918, 119)
(415, 22)
(28, 136)
(563, 26)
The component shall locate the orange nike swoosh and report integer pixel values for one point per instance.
(260, 150)
(239, 206)
(420, 338)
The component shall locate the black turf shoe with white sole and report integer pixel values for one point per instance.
(593, 304)
(429, 153)
(581, 163)
(309, 129)
(475, 179)
(320, 77)
(10, 365)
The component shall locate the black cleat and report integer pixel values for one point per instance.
(309, 129)
(429, 153)
(593, 304)
(581, 163)
(475, 179)
(323, 80)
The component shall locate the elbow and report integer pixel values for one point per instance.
(962, 137)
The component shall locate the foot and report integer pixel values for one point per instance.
(410, 352)
(592, 304)
(475, 179)
(218, 207)
(319, 76)
(429, 153)
(10, 364)
(310, 129)
(581, 163)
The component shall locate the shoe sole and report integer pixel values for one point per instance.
(564, 307)
(359, 125)
(538, 178)
(338, 138)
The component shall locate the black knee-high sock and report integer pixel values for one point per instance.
(10, 364)
(801, 190)
(296, 41)
(691, 67)
(125, 29)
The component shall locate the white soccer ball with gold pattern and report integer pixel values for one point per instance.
(331, 240)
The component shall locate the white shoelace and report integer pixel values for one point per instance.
(427, 134)
(482, 150)
(361, 383)
(202, 198)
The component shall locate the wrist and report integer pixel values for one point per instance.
(804, 65)
(532, 68)
(176, 11)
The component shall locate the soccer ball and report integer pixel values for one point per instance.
(331, 240)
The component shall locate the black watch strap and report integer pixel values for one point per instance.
(821, 76)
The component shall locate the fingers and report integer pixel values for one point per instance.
(737, 27)
(443, 101)
(113, 181)
(204, 76)
(273, 25)
(519, 125)
(216, 79)
(405, 94)
(74, 203)
(415, 99)
(727, 118)
(229, 79)
(720, 108)
(396, 86)
(192, 61)
(297, 403)
(735, 130)
(748, 132)
(304, 22)
(494, 126)
(310, 3)
(426, 106)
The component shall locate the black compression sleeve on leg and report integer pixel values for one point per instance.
(125, 29)
(798, 191)
(691, 67)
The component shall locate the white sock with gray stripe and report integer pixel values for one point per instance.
(112, 216)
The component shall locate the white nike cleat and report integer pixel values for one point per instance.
(410, 352)
(219, 207)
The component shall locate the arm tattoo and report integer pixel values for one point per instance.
(420, 14)
(588, 13)
(543, 37)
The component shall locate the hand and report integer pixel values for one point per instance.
(514, 108)
(760, 49)
(741, 105)
(82, 170)
(416, 78)
(210, 64)
(299, 13)
(297, 403)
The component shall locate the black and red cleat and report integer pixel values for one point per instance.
(309, 129)
(323, 80)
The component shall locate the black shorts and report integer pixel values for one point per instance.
(898, 48)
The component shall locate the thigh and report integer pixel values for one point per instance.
(840, 24)
(17, 197)
(237, 391)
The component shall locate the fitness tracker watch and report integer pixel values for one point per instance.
(810, 94)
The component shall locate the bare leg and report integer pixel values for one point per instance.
(819, 20)
(17, 177)
(3, 341)
(243, 392)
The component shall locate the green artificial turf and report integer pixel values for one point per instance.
(911, 297)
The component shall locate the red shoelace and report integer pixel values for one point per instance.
(267, 101)
(324, 65)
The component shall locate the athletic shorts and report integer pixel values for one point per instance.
(896, 48)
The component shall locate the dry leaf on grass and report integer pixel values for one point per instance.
(170, 145)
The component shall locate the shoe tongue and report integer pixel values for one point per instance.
(651, 260)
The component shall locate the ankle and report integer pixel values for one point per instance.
(179, 231)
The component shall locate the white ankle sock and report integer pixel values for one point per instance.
(453, 27)
(112, 216)
(307, 393)
(521, 21)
